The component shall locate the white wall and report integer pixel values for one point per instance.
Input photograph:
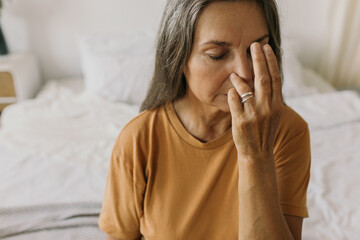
(329, 33)
(49, 28)
(307, 22)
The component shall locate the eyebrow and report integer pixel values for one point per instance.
(226, 44)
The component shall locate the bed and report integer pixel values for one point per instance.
(55, 148)
(54, 152)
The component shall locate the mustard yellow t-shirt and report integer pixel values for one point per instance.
(164, 184)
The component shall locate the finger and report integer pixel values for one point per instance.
(235, 105)
(262, 80)
(242, 88)
(275, 74)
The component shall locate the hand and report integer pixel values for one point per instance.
(254, 122)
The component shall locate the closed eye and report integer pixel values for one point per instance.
(217, 58)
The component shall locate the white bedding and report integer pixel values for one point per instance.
(56, 149)
(333, 195)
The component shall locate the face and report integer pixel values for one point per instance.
(221, 46)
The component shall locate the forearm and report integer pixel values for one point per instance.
(260, 215)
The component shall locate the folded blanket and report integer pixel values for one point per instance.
(62, 221)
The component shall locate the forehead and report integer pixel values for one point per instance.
(236, 22)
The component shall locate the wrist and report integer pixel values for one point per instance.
(256, 160)
(257, 168)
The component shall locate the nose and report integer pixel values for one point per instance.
(243, 67)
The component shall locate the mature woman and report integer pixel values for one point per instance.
(215, 154)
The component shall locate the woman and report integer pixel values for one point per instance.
(215, 154)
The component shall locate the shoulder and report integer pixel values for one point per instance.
(138, 131)
(144, 120)
(291, 121)
(292, 130)
(290, 116)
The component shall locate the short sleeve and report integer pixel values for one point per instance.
(123, 198)
(293, 159)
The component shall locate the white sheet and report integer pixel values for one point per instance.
(333, 195)
(66, 139)
(327, 110)
(57, 147)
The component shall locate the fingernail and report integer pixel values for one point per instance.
(232, 76)
(267, 49)
(256, 47)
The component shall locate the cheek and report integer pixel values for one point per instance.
(204, 76)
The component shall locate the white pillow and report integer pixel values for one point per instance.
(118, 68)
(119, 78)
(137, 43)
(299, 80)
(314, 81)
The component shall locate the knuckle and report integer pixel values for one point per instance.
(253, 116)
(244, 90)
(240, 86)
(263, 116)
(266, 113)
(263, 80)
(272, 60)
(276, 78)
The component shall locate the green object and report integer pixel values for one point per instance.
(3, 47)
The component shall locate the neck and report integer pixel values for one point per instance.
(202, 121)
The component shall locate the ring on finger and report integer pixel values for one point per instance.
(246, 96)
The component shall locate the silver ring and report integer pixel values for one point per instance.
(247, 98)
(246, 94)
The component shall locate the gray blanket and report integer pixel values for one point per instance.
(73, 221)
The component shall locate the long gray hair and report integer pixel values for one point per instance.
(174, 44)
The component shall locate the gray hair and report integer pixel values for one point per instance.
(174, 44)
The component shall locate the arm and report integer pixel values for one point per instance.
(254, 126)
(260, 209)
(123, 199)
(295, 225)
